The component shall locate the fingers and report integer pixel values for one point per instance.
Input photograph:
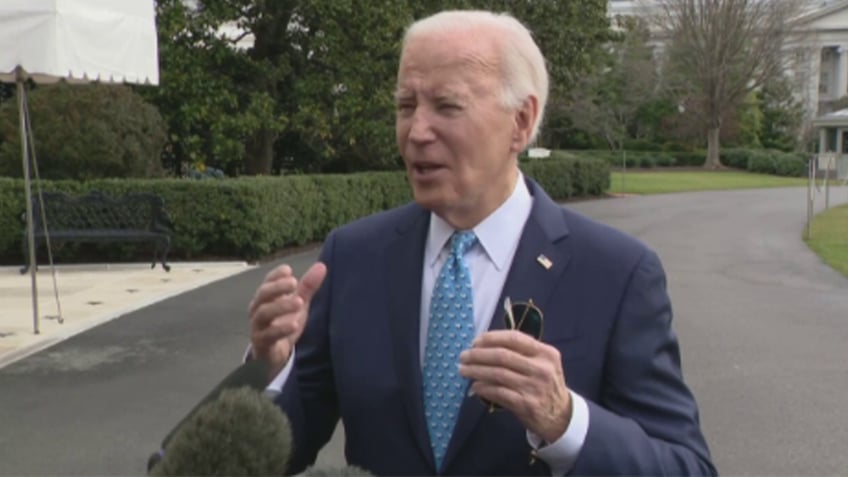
(263, 338)
(278, 311)
(311, 281)
(269, 311)
(281, 281)
(271, 290)
(509, 366)
(521, 375)
(502, 367)
(510, 339)
(280, 271)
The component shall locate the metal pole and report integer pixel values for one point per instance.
(810, 179)
(623, 170)
(831, 166)
(28, 193)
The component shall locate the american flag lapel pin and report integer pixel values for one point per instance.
(545, 262)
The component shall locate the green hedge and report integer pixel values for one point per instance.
(247, 218)
(766, 161)
(763, 161)
(643, 159)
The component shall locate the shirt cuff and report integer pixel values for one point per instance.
(276, 385)
(561, 455)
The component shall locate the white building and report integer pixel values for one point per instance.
(822, 74)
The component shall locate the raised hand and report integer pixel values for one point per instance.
(278, 312)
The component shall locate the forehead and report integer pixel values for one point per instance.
(448, 61)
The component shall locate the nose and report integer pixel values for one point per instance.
(421, 127)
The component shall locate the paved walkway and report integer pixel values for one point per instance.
(89, 295)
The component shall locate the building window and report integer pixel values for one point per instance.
(824, 83)
(830, 144)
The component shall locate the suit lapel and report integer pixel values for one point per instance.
(528, 279)
(405, 262)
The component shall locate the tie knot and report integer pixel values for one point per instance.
(461, 242)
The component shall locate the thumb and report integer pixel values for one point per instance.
(311, 281)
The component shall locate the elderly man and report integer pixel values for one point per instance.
(399, 329)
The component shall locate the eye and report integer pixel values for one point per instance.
(405, 107)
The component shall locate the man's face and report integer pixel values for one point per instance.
(458, 142)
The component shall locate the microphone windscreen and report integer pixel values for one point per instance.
(254, 374)
(346, 471)
(241, 432)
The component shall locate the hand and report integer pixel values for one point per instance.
(278, 313)
(522, 375)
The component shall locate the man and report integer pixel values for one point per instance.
(364, 335)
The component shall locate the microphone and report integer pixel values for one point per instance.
(235, 430)
(241, 432)
(252, 374)
(346, 471)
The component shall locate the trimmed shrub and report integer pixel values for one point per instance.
(84, 132)
(250, 217)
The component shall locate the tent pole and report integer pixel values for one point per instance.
(28, 190)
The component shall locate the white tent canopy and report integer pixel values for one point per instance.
(111, 41)
(79, 40)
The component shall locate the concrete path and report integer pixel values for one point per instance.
(762, 323)
(88, 295)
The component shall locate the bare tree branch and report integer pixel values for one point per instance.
(721, 50)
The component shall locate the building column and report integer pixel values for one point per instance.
(813, 79)
(841, 72)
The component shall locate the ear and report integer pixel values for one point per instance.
(523, 121)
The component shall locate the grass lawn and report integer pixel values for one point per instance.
(829, 237)
(660, 182)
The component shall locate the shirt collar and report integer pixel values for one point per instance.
(497, 234)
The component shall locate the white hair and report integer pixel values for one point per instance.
(524, 72)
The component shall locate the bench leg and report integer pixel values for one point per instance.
(161, 253)
(165, 255)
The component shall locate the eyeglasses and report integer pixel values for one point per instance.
(525, 317)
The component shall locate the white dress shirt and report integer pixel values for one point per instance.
(489, 261)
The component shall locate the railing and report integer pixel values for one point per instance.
(834, 165)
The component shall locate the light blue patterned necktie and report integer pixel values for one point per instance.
(450, 330)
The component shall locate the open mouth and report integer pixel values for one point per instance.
(424, 168)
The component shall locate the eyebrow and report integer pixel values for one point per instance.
(441, 95)
(403, 94)
(447, 95)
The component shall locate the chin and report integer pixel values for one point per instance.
(431, 199)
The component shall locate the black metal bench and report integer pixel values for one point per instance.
(95, 217)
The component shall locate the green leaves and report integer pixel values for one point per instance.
(85, 131)
(315, 88)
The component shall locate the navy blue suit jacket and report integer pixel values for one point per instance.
(606, 310)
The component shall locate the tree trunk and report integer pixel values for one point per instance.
(713, 161)
(260, 152)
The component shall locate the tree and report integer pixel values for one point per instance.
(718, 51)
(607, 102)
(84, 132)
(203, 95)
(316, 78)
(313, 91)
(783, 115)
